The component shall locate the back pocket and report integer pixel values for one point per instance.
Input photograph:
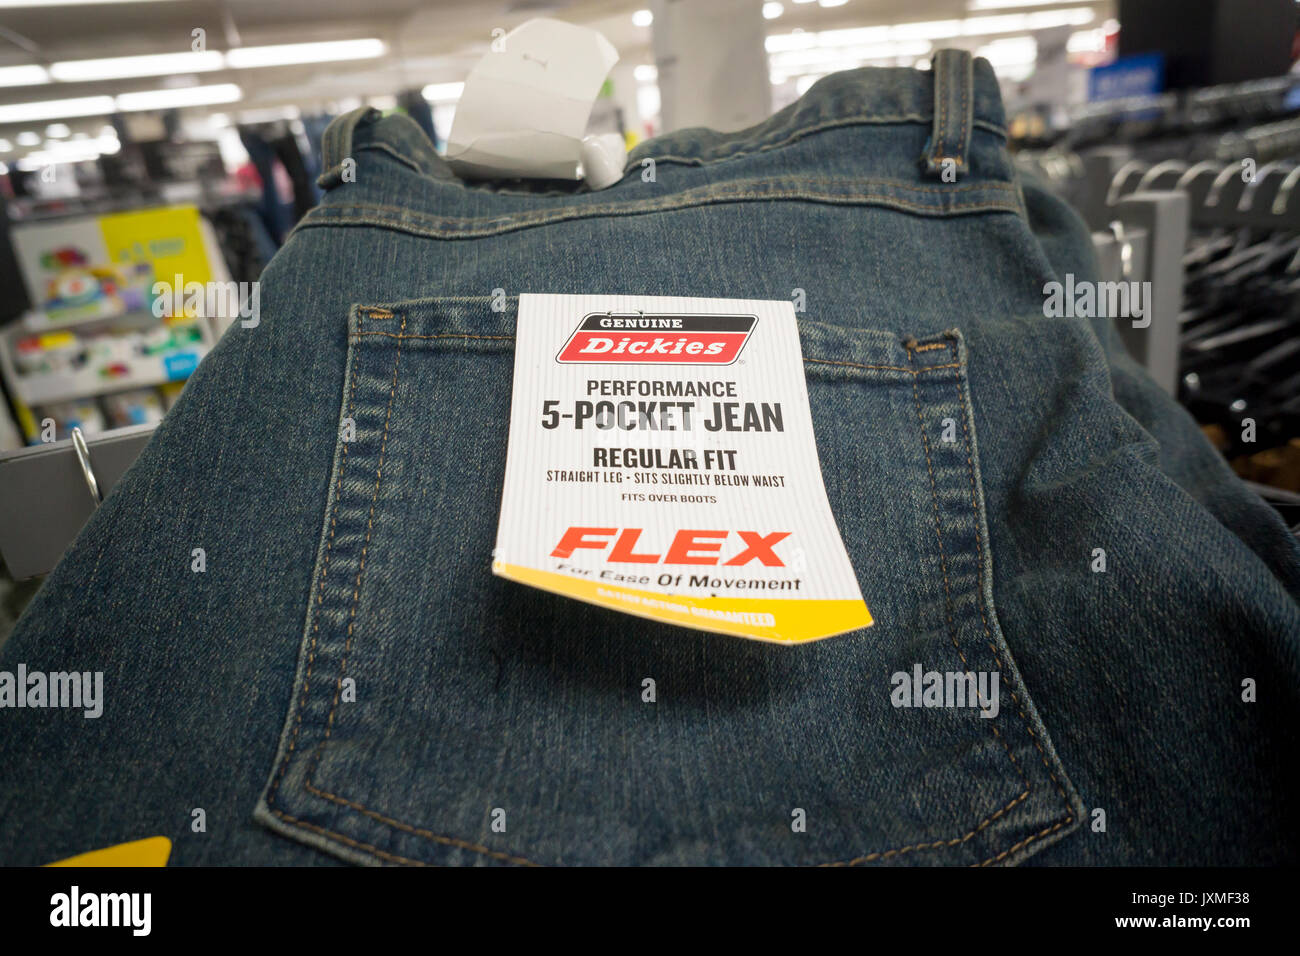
(442, 715)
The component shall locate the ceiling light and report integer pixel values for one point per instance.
(177, 99)
(443, 92)
(831, 3)
(798, 40)
(58, 131)
(853, 35)
(927, 30)
(291, 53)
(1086, 41)
(28, 138)
(642, 18)
(269, 114)
(646, 72)
(1071, 17)
(67, 152)
(17, 4)
(772, 10)
(1002, 4)
(30, 75)
(162, 64)
(5, 146)
(44, 110)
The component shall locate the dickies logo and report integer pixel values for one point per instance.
(657, 339)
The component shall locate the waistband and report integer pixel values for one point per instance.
(958, 95)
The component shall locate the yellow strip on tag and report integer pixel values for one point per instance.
(662, 463)
(781, 622)
(152, 851)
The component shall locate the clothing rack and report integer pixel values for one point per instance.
(1144, 242)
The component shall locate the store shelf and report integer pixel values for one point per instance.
(131, 371)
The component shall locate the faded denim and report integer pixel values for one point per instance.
(333, 564)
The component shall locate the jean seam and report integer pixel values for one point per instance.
(892, 368)
(572, 214)
(320, 595)
(311, 657)
(988, 637)
(943, 564)
(967, 88)
(403, 218)
(308, 783)
(825, 126)
(1024, 794)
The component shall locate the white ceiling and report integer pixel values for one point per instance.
(429, 42)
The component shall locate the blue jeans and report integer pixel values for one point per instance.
(346, 675)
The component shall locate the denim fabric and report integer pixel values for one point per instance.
(975, 454)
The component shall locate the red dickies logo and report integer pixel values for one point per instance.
(659, 339)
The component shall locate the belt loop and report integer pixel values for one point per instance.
(336, 145)
(954, 105)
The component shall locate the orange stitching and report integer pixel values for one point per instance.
(509, 338)
(988, 636)
(365, 550)
(375, 312)
(893, 368)
(863, 120)
(699, 193)
(448, 335)
(931, 347)
(374, 849)
(870, 857)
(948, 600)
(347, 840)
(320, 596)
(347, 650)
(856, 119)
(943, 565)
(418, 831)
(1041, 833)
(326, 215)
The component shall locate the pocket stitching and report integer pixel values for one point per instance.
(970, 466)
(988, 637)
(500, 855)
(320, 597)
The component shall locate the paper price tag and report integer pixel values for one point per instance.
(662, 463)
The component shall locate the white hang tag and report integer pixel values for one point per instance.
(525, 105)
(662, 463)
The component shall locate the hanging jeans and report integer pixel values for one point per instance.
(290, 601)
